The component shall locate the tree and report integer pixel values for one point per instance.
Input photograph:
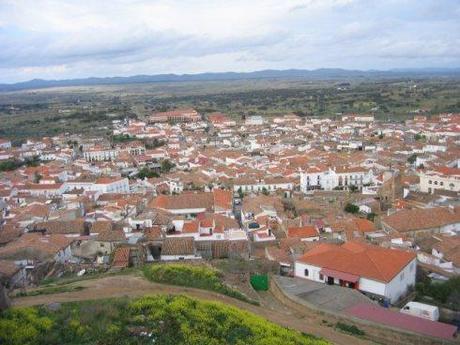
(371, 216)
(9, 165)
(412, 158)
(147, 173)
(32, 162)
(240, 193)
(353, 188)
(265, 191)
(419, 136)
(37, 177)
(167, 166)
(350, 208)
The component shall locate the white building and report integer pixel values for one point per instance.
(376, 271)
(5, 144)
(330, 178)
(101, 184)
(100, 154)
(268, 184)
(45, 189)
(443, 178)
(255, 120)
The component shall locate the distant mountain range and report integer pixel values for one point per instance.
(317, 74)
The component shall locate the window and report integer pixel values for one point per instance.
(321, 277)
(306, 272)
(430, 182)
(401, 277)
(436, 183)
(441, 183)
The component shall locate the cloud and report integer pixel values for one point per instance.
(68, 38)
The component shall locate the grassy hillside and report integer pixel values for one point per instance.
(161, 320)
(199, 277)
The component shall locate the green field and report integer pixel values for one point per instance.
(90, 110)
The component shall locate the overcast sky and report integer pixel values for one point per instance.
(80, 38)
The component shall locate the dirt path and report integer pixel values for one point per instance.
(134, 286)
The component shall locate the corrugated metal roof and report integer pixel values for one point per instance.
(402, 321)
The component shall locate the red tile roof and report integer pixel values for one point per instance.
(190, 227)
(223, 199)
(121, 257)
(303, 231)
(360, 259)
(419, 219)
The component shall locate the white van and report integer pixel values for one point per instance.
(425, 311)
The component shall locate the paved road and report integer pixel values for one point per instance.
(326, 297)
(134, 286)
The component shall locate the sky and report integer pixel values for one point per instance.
(63, 39)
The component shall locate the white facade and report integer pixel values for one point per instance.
(255, 120)
(392, 290)
(115, 186)
(434, 180)
(180, 257)
(94, 155)
(330, 179)
(5, 144)
(259, 186)
(64, 255)
(47, 190)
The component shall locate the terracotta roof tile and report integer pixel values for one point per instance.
(360, 259)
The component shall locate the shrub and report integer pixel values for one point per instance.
(350, 208)
(165, 320)
(445, 294)
(351, 329)
(22, 326)
(199, 277)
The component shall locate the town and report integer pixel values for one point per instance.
(348, 214)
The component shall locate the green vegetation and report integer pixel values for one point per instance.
(161, 320)
(445, 294)
(166, 166)
(350, 208)
(24, 326)
(412, 158)
(10, 165)
(71, 278)
(122, 138)
(371, 216)
(200, 277)
(91, 109)
(14, 164)
(50, 290)
(146, 172)
(419, 136)
(353, 188)
(351, 329)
